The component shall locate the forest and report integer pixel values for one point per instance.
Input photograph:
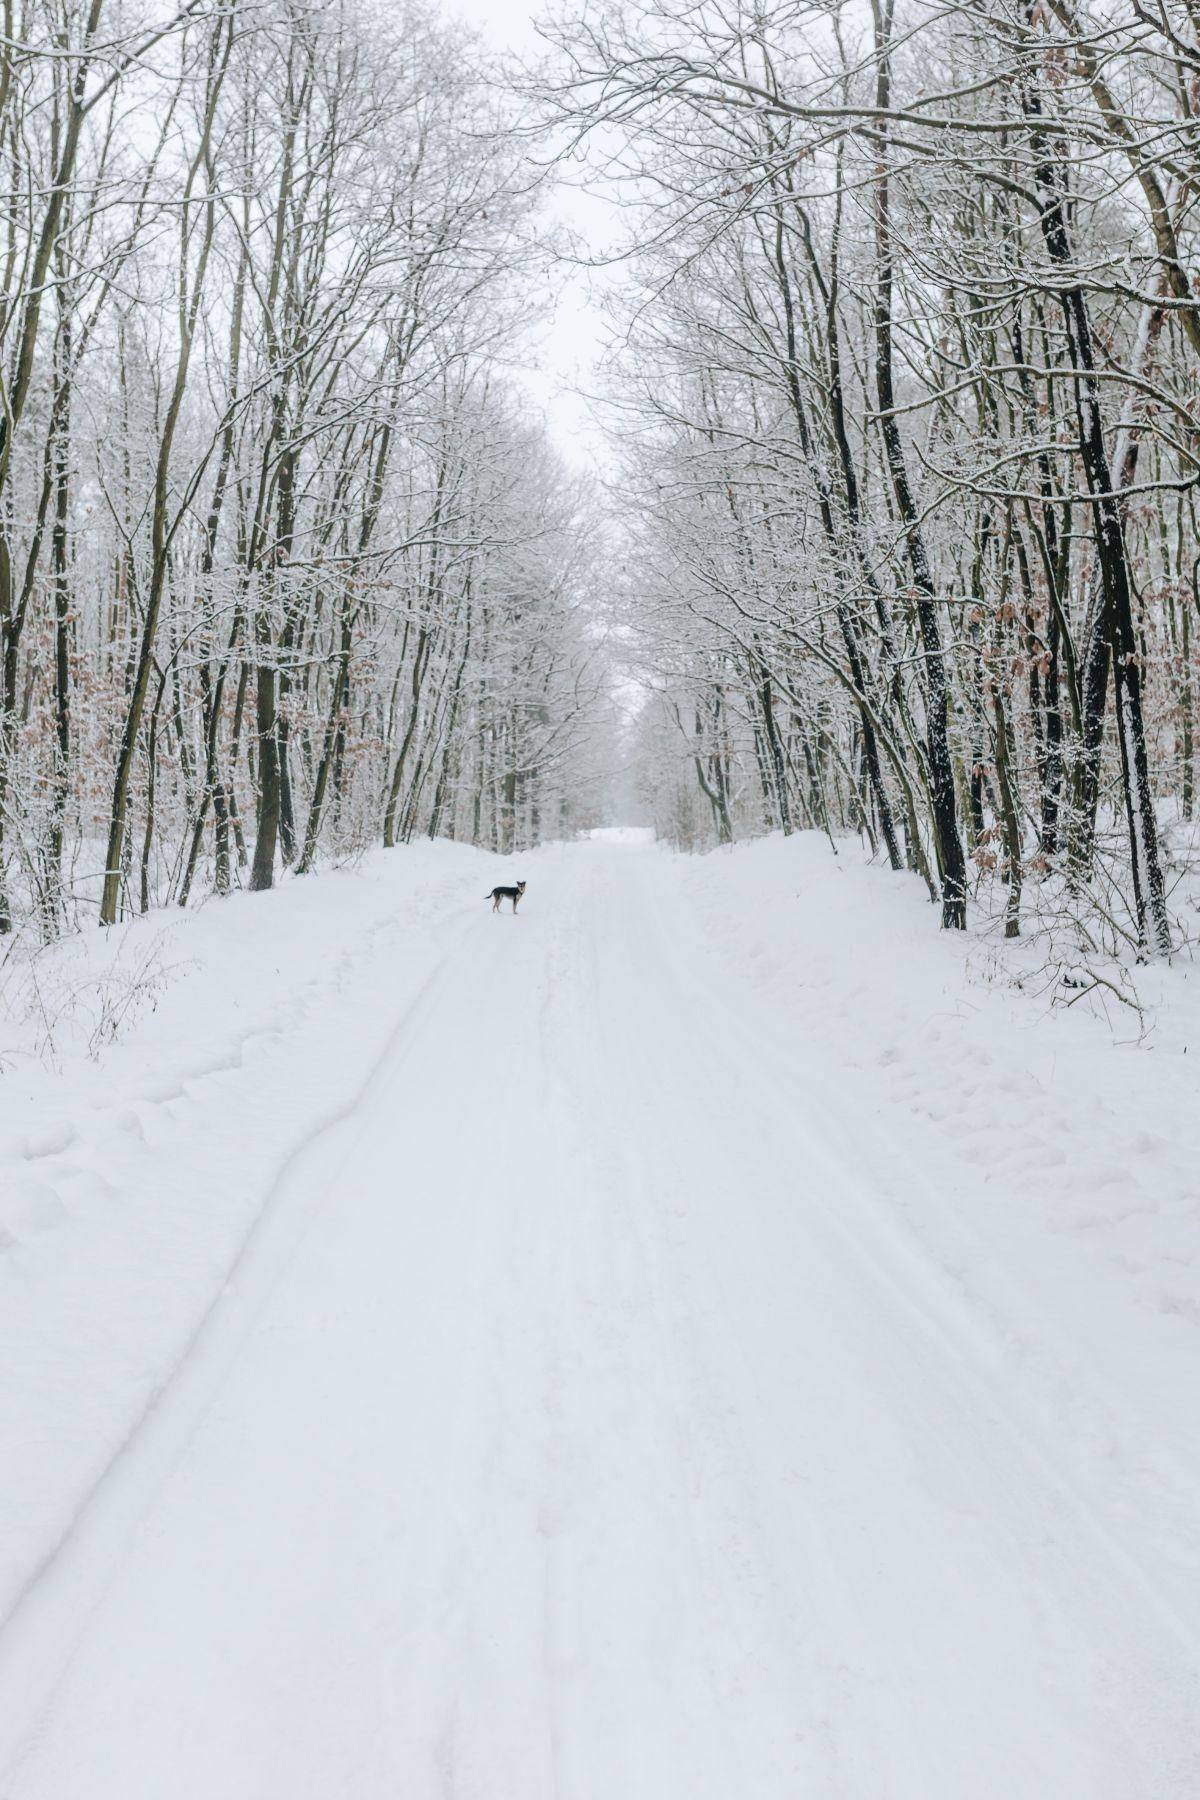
(285, 567)
(599, 895)
(896, 530)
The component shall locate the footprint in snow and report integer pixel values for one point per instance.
(30, 1208)
(52, 1140)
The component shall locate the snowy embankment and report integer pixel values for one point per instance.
(713, 1334)
(1042, 1159)
(130, 1178)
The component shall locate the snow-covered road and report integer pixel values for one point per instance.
(577, 1424)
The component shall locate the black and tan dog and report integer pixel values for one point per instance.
(505, 893)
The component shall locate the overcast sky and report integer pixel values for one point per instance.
(572, 343)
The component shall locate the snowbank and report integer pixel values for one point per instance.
(130, 1180)
(1045, 1160)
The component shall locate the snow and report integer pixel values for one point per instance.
(710, 1335)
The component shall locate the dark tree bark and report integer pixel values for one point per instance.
(1113, 638)
(951, 861)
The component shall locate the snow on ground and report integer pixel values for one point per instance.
(1044, 1159)
(712, 1335)
(128, 1182)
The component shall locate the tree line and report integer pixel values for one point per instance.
(907, 392)
(904, 408)
(285, 567)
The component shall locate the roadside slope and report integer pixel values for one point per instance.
(130, 1180)
(1042, 1161)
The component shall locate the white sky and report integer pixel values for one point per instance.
(572, 343)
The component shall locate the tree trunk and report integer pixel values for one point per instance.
(951, 862)
(1114, 624)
